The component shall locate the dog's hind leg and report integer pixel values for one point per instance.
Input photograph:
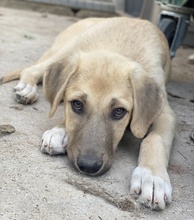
(26, 91)
(11, 76)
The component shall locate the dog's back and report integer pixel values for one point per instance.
(127, 40)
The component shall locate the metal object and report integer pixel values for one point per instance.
(180, 15)
(97, 5)
(123, 7)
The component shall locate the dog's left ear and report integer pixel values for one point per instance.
(56, 81)
(148, 100)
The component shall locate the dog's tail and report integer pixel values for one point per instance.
(11, 76)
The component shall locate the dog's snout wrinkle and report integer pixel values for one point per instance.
(89, 164)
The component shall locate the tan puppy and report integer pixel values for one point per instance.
(110, 73)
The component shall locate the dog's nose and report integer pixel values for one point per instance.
(89, 164)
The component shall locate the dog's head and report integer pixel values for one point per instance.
(102, 94)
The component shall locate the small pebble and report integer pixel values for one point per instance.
(6, 129)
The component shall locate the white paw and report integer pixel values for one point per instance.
(54, 141)
(153, 192)
(25, 93)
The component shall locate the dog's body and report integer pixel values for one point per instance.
(111, 73)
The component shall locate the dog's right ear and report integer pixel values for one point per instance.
(55, 82)
(148, 100)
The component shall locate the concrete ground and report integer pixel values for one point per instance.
(37, 186)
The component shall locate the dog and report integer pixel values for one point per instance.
(111, 74)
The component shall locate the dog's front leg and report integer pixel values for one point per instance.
(150, 180)
(54, 141)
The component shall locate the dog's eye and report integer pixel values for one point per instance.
(77, 106)
(118, 113)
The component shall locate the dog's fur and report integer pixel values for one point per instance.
(111, 73)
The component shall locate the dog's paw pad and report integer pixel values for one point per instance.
(152, 191)
(25, 93)
(54, 141)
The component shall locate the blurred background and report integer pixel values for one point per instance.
(174, 17)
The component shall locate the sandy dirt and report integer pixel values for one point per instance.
(37, 186)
